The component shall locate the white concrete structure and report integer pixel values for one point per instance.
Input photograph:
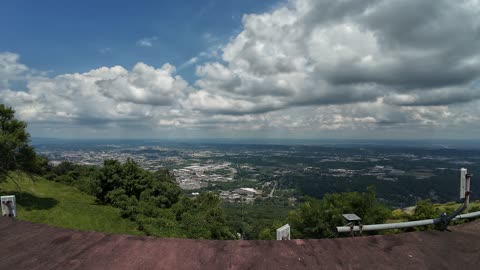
(463, 181)
(283, 233)
(8, 206)
(248, 191)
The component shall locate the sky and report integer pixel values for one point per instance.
(304, 69)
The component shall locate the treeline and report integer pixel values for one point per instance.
(404, 192)
(317, 218)
(15, 152)
(155, 202)
(151, 199)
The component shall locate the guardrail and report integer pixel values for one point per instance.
(400, 225)
(442, 221)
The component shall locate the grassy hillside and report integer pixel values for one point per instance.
(401, 215)
(47, 202)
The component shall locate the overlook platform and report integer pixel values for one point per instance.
(25, 245)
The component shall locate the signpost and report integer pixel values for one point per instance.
(352, 221)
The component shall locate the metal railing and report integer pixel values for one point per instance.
(400, 225)
(443, 221)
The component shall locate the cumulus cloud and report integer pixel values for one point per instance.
(101, 95)
(336, 52)
(216, 104)
(307, 65)
(434, 97)
(10, 68)
(144, 85)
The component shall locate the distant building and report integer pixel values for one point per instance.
(248, 191)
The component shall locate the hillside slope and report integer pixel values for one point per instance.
(47, 202)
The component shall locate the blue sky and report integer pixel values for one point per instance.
(394, 69)
(77, 36)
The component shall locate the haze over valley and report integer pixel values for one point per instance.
(403, 172)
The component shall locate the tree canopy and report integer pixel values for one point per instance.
(15, 152)
(318, 218)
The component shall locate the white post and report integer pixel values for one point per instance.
(8, 206)
(463, 181)
(283, 233)
(467, 189)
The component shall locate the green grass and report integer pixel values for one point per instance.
(452, 206)
(47, 202)
(399, 215)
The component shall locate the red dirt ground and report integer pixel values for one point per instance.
(33, 246)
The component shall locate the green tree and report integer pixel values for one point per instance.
(425, 210)
(15, 152)
(318, 218)
(203, 217)
(270, 232)
(266, 234)
(107, 179)
(152, 200)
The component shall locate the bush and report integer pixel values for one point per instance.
(15, 152)
(152, 200)
(425, 210)
(318, 218)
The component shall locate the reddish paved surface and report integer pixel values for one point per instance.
(26, 245)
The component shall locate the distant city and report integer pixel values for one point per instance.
(246, 172)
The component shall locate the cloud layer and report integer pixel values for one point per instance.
(309, 66)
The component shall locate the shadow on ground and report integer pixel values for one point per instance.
(32, 202)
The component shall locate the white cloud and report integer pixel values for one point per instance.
(145, 85)
(192, 61)
(100, 96)
(10, 69)
(354, 66)
(146, 42)
(329, 52)
(212, 53)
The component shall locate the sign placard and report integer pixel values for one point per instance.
(8, 206)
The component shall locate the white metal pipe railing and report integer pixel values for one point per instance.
(468, 215)
(443, 220)
(399, 225)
